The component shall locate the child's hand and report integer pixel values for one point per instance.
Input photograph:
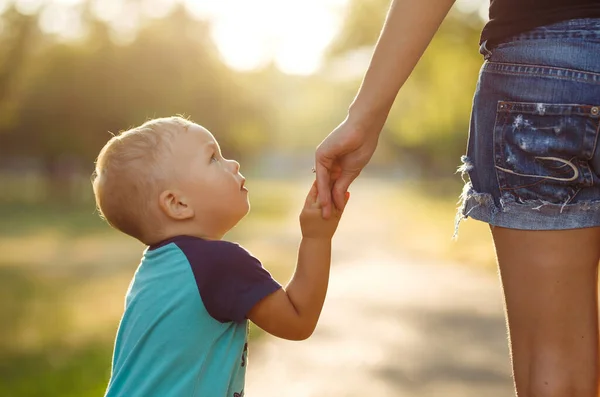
(312, 223)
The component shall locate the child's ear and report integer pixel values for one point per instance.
(175, 205)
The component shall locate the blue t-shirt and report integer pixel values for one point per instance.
(184, 330)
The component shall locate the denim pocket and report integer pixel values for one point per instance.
(543, 151)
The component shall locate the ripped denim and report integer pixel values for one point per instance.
(533, 160)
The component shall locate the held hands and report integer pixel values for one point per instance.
(339, 160)
(312, 223)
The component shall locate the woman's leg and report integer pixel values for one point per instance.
(551, 293)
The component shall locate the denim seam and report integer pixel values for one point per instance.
(548, 67)
(498, 143)
(563, 109)
(554, 35)
(496, 67)
(593, 151)
(579, 80)
(595, 141)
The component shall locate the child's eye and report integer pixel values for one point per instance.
(213, 158)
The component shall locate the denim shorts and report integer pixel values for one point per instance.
(532, 159)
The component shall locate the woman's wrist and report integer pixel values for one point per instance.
(367, 119)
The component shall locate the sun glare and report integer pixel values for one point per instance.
(291, 33)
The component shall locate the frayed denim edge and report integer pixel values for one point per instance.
(471, 200)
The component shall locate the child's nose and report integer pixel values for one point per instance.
(234, 165)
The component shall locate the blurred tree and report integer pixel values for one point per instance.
(72, 93)
(16, 36)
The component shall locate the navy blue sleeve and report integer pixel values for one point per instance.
(230, 280)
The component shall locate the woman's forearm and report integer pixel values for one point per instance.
(409, 27)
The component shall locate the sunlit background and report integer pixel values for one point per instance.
(270, 78)
(294, 34)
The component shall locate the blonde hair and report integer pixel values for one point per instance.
(130, 170)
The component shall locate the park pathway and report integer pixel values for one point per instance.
(391, 326)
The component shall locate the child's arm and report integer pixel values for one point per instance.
(293, 313)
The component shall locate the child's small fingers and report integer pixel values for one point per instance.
(313, 194)
(346, 198)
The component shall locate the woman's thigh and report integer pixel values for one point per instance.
(550, 286)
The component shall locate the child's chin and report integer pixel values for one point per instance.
(247, 211)
(242, 212)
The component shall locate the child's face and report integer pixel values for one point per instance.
(213, 184)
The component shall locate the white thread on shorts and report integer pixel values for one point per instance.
(573, 178)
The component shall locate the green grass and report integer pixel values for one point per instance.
(18, 220)
(37, 355)
(57, 371)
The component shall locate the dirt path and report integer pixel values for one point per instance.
(392, 326)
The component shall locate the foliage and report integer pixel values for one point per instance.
(63, 98)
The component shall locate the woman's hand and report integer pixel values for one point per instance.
(340, 158)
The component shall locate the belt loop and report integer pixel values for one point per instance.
(483, 50)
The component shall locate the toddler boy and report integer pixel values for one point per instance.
(185, 325)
